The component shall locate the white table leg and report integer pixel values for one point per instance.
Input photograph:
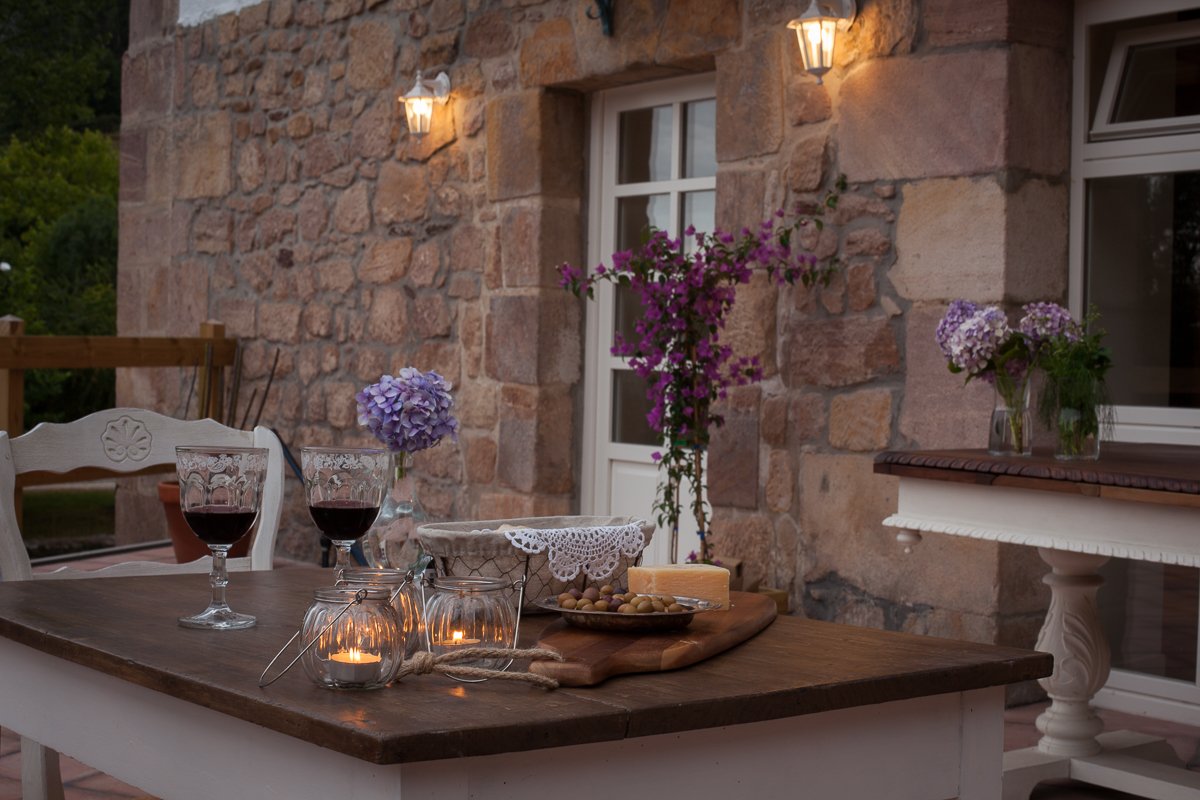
(1072, 633)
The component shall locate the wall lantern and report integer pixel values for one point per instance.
(816, 30)
(418, 101)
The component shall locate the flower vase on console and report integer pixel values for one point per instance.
(1074, 398)
(1011, 430)
(979, 342)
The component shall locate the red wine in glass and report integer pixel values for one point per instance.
(343, 520)
(220, 492)
(344, 488)
(219, 525)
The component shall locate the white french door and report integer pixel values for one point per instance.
(653, 162)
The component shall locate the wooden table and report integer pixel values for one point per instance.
(99, 669)
(1138, 501)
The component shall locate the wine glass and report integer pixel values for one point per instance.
(344, 487)
(220, 491)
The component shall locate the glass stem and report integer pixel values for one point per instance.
(219, 577)
(342, 563)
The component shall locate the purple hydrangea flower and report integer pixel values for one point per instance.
(958, 313)
(1045, 321)
(975, 342)
(409, 412)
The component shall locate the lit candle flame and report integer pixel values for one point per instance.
(355, 656)
(456, 637)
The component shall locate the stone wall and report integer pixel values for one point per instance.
(268, 182)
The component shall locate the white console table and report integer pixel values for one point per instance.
(1138, 501)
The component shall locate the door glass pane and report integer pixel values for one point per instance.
(700, 210)
(1143, 275)
(629, 409)
(1160, 81)
(636, 214)
(644, 149)
(1149, 612)
(634, 217)
(700, 139)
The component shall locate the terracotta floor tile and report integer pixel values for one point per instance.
(101, 785)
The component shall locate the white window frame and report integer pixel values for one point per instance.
(1103, 128)
(598, 448)
(1133, 155)
(1092, 157)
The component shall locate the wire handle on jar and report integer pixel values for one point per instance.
(359, 596)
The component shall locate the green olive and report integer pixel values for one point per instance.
(568, 604)
(627, 608)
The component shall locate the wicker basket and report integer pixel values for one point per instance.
(480, 548)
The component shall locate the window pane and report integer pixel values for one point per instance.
(1143, 275)
(1160, 81)
(629, 409)
(644, 150)
(1149, 612)
(700, 139)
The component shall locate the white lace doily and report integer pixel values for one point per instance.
(594, 550)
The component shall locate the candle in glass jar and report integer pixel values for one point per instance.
(353, 666)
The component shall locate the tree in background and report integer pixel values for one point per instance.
(59, 113)
(61, 62)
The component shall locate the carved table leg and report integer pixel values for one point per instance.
(1072, 633)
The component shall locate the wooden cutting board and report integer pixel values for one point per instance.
(593, 656)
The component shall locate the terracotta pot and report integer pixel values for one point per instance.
(187, 546)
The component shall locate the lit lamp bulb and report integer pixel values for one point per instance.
(418, 101)
(816, 32)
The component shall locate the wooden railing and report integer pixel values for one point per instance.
(209, 353)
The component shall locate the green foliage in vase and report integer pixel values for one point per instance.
(1074, 397)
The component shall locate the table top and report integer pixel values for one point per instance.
(1155, 473)
(126, 627)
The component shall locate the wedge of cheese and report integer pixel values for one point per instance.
(702, 581)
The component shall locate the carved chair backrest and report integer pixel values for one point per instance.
(127, 441)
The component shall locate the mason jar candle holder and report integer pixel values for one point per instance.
(403, 589)
(470, 612)
(351, 638)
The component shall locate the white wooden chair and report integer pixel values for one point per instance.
(121, 442)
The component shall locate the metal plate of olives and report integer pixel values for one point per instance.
(632, 623)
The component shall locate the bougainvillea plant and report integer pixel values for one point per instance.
(687, 287)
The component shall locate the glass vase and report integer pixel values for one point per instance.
(1011, 432)
(391, 543)
(1079, 418)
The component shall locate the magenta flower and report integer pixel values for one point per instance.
(686, 288)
